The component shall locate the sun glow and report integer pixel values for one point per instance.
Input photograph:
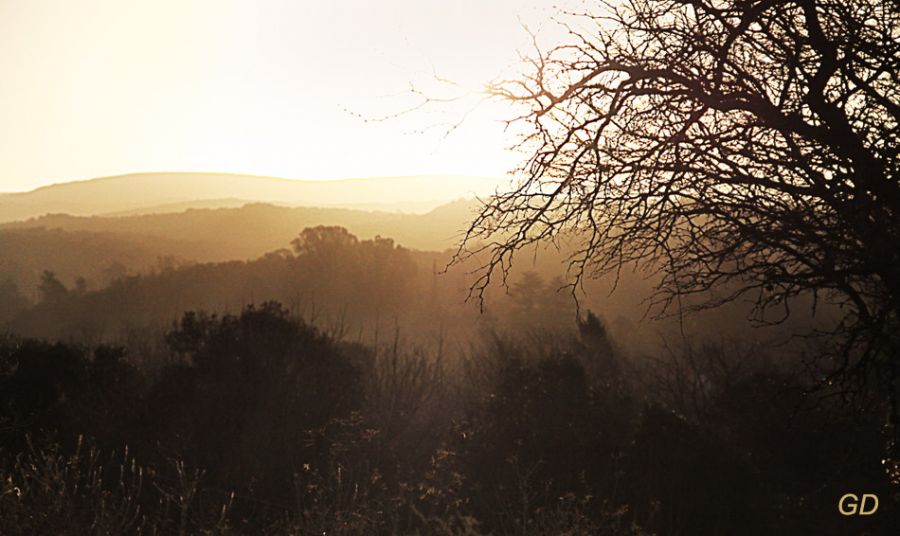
(275, 87)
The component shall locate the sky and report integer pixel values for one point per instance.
(270, 87)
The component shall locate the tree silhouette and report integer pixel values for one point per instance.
(323, 241)
(747, 147)
(251, 383)
(51, 289)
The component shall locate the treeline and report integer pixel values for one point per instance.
(97, 257)
(259, 423)
(75, 246)
(362, 289)
(357, 289)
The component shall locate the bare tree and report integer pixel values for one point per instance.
(747, 145)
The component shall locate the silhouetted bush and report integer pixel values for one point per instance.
(62, 389)
(250, 384)
(261, 424)
(541, 432)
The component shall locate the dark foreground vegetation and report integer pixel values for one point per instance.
(260, 424)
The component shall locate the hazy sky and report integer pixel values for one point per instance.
(101, 87)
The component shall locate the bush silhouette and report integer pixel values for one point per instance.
(251, 384)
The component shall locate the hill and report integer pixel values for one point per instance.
(255, 229)
(165, 192)
(98, 257)
(100, 249)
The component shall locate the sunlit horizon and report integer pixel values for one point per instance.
(274, 88)
(491, 180)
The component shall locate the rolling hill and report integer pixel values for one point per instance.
(174, 192)
(255, 229)
(90, 247)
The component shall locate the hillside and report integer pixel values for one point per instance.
(99, 249)
(98, 257)
(252, 230)
(168, 192)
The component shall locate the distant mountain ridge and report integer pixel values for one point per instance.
(144, 193)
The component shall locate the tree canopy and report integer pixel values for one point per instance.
(747, 147)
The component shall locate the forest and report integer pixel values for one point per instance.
(344, 386)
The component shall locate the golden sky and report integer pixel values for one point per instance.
(102, 87)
